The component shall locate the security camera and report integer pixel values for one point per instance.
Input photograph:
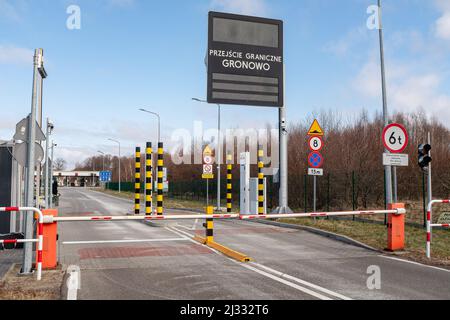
(50, 124)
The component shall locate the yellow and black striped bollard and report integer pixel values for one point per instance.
(137, 182)
(148, 179)
(229, 184)
(209, 225)
(160, 199)
(260, 181)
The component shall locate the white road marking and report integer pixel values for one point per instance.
(279, 279)
(414, 263)
(288, 283)
(73, 282)
(309, 284)
(124, 241)
(181, 234)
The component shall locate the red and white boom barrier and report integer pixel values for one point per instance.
(51, 219)
(40, 236)
(322, 214)
(430, 225)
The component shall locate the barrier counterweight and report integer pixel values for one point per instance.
(229, 184)
(137, 182)
(260, 181)
(40, 235)
(148, 178)
(160, 199)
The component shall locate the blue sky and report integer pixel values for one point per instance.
(134, 53)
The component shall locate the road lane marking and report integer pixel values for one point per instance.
(279, 279)
(73, 282)
(288, 283)
(306, 283)
(414, 263)
(124, 241)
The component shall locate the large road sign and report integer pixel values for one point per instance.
(315, 143)
(245, 60)
(395, 138)
(315, 160)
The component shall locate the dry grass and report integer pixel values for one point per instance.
(375, 236)
(14, 287)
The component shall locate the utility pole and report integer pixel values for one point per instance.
(387, 169)
(31, 164)
(219, 158)
(283, 206)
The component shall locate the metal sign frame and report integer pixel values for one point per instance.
(239, 86)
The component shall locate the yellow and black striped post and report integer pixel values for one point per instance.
(137, 182)
(160, 199)
(260, 180)
(209, 225)
(148, 179)
(229, 184)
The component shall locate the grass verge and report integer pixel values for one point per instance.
(375, 236)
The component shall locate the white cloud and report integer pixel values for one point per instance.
(16, 55)
(408, 90)
(247, 7)
(442, 25)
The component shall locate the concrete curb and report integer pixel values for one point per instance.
(320, 232)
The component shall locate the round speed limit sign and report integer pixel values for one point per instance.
(395, 138)
(315, 143)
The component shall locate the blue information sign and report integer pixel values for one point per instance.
(105, 176)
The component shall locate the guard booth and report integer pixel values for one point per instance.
(11, 185)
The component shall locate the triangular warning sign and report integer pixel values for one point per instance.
(315, 129)
(207, 151)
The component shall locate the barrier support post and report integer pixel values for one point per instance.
(137, 182)
(50, 238)
(229, 184)
(209, 225)
(148, 179)
(396, 229)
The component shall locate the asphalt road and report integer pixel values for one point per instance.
(288, 264)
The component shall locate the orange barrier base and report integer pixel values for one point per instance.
(50, 233)
(396, 229)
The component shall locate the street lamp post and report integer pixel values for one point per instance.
(120, 177)
(219, 150)
(103, 158)
(159, 121)
(159, 138)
